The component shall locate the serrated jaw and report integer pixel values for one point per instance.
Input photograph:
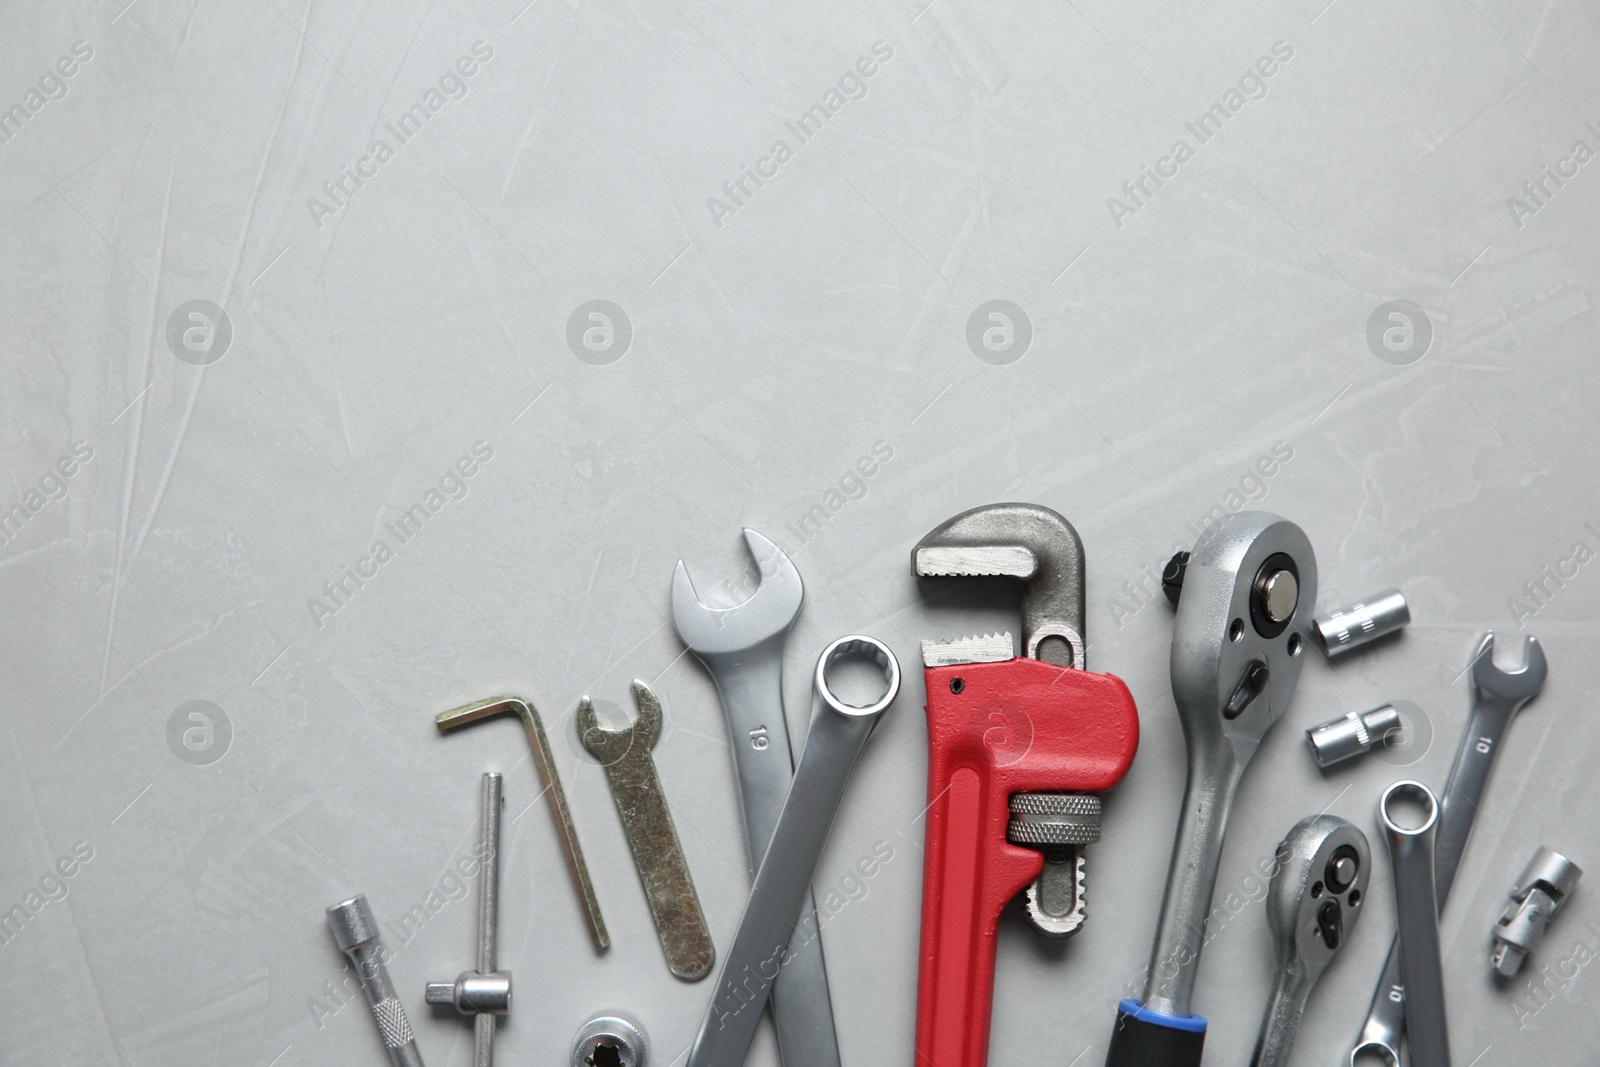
(981, 648)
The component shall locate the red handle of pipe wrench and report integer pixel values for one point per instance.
(995, 729)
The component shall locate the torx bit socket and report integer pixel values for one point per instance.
(355, 931)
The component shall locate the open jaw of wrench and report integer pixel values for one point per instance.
(1238, 643)
(1018, 750)
(742, 648)
(485, 992)
(1411, 852)
(1312, 905)
(1497, 695)
(762, 946)
(524, 710)
(652, 837)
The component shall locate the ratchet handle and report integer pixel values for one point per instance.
(1147, 1038)
(995, 729)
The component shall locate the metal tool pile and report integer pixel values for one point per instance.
(1022, 751)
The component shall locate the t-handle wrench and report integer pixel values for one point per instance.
(485, 992)
(1313, 903)
(1018, 748)
(742, 648)
(1496, 696)
(1244, 618)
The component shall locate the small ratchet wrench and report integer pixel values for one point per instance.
(1244, 618)
(839, 733)
(1312, 905)
(1019, 747)
(1496, 697)
(742, 648)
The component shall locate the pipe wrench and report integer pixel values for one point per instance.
(1018, 749)
(1247, 595)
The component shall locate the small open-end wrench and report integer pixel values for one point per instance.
(1496, 696)
(486, 992)
(1411, 854)
(1244, 616)
(1318, 883)
(1018, 749)
(742, 648)
(760, 949)
(652, 837)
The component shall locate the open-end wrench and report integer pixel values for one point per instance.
(1318, 883)
(742, 648)
(1496, 696)
(1411, 853)
(652, 837)
(1244, 616)
(1019, 747)
(839, 732)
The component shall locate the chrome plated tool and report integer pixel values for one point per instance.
(742, 648)
(355, 931)
(1539, 895)
(1318, 884)
(613, 1039)
(1237, 647)
(652, 837)
(1411, 852)
(524, 709)
(1345, 629)
(485, 992)
(839, 732)
(1496, 696)
(1350, 735)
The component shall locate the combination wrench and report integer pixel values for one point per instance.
(1496, 696)
(1019, 749)
(1243, 621)
(1319, 881)
(1411, 854)
(652, 837)
(742, 648)
(760, 949)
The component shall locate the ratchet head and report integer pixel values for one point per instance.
(1242, 628)
(1316, 893)
(1036, 546)
(766, 614)
(1515, 686)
